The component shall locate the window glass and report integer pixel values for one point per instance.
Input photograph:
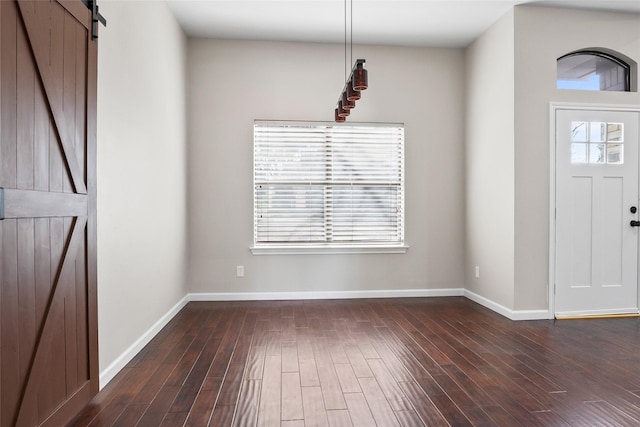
(597, 143)
(579, 131)
(590, 70)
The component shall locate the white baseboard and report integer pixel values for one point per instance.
(280, 296)
(507, 312)
(110, 371)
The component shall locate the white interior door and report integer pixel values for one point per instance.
(596, 202)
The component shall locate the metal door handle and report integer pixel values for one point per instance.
(1, 203)
(634, 223)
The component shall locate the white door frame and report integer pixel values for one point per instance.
(553, 108)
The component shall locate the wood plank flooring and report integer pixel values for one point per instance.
(386, 362)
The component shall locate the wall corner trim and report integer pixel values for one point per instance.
(507, 312)
(116, 366)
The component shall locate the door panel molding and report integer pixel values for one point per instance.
(56, 303)
(34, 18)
(42, 204)
(77, 9)
(92, 193)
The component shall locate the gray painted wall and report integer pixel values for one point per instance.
(141, 171)
(489, 155)
(541, 36)
(511, 81)
(231, 83)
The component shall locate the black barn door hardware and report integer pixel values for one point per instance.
(96, 18)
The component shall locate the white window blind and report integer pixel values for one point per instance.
(329, 185)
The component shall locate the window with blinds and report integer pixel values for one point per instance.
(328, 185)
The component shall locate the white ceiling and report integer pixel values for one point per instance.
(443, 23)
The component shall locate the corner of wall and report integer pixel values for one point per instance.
(489, 164)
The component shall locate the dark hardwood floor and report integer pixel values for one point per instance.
(387, 362)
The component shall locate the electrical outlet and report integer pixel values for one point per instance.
(477, 272)
(239, 270)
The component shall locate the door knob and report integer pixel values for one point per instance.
(634, 223)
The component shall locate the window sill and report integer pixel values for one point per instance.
(326, 250)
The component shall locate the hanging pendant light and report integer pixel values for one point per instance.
(360, 78)
(352, 94)
(347, 104)
(342, 112)
(357, 80)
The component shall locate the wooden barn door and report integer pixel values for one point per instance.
(48, 319)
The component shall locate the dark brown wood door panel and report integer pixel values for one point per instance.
(48, 318)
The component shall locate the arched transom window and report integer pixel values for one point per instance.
(593, 70)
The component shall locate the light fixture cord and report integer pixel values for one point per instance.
(345, 40)
(351, 38)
